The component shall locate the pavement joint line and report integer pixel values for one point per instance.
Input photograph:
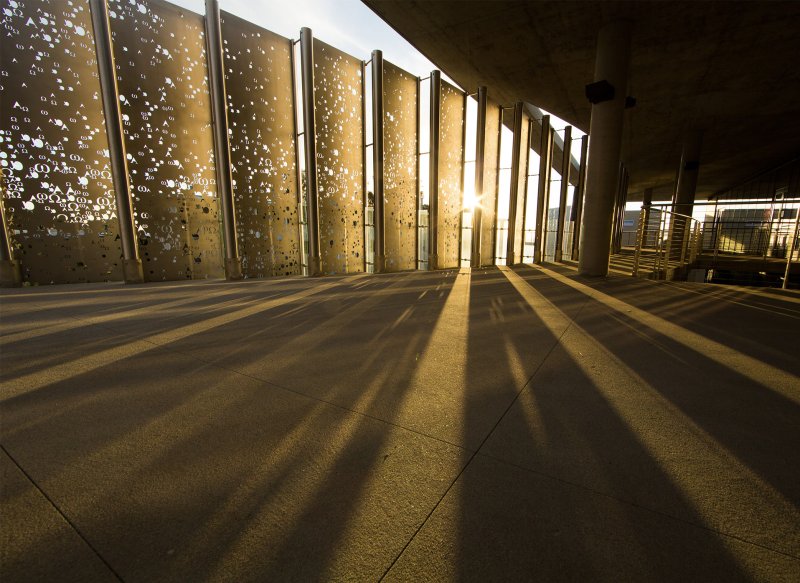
(485, 439)
(61, 513)
(636, 505)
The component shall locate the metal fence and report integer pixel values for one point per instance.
(665, 241)
(733, 236)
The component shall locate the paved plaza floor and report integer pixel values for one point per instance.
(499, 424)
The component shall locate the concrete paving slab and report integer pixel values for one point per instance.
(305, 428)
(504, 523)
(36, 542)
(598, 414)
(202, 473)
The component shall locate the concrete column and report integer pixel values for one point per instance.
(480, 155)
(310, 132)
(10, 272)
(577, 200)
(377, 160)
(433, 208)
(107, 72)
(222, 149)
(605, 143)
(562, 204)
(687, 173)
(545, 155)
(514, 191)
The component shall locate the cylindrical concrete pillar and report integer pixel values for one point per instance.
(222, 150)
(562, 204)
(310, 133)
(687, 173)
(433, 187)
(131, 264)
(511, 259)
(480, 155)
(377, 160)
(605, 142)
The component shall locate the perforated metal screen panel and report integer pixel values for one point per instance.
(519, 235)
(57, 187)
(258, 77)
(451, 155)
(338, 104)
(400, 167)
(489, 199)
(160, 57)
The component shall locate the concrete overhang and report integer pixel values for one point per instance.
(728, 69)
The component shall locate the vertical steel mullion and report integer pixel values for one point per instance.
(514, 190)
(417, 191)
(222, 151)
(298, 170)
(379, 220)
(480, 154)
(310, 133)
(461, 180)
(562, 203)
(131, 263)
(577, 199)
(542, 194)
(433, 158)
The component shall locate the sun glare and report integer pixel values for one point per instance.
(470, 201)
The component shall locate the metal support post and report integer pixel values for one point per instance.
(696, 239)
(10, 271)
(668, 247)
(222, 151)
(562, 205)
(433, 212)
(544, 190)
(514, 191)
(640, 236)
(577, 200)
(131, 264)
(687, 224)
(310, 133)
(377, 161)
(790, 250)
(480, 154)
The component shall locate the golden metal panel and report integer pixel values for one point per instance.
(56, 178)
(400, 167)
(160, 57)
(451, 155)
(490, 170)
(258, 77)
(340, 158)
(519, 235)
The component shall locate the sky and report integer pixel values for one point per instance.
(346, 24)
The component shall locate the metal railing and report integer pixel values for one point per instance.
(665, 241)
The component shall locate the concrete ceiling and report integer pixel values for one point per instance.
(729, 69)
